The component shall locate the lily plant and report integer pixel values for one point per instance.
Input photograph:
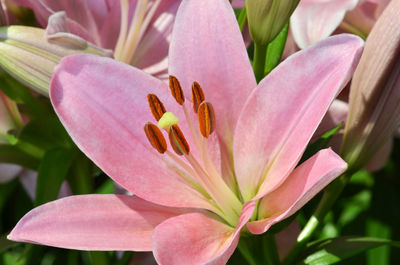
(209, 157)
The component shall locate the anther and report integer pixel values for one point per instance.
(197, 95)
(155, 137)
(178, 141)
(206, 119)
(156, 106)
(176, 89)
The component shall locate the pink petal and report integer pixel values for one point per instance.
(219, 64)
(93, 222)
(313, 21)
(103, 105)
(303, 184)
(284, 111)
(364, 16)
(197, 239)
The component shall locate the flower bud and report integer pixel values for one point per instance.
(268, 17)
(9, 117)
(28, 55)
(374, 103)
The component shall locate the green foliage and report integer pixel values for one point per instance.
(52, 172)
(331, 251)
(275, 50)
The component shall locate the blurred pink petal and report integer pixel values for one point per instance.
(314, 20)
(363, 17)
(286, 239)
(93, 222)
(9, 172)
(238, 3)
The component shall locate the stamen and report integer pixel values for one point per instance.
(155, 137)
(156, 106)
(176, 89)
(197, 95)
(206, 119)
(178, 141)
(123, 30)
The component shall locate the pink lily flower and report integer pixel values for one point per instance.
(314, 20)
(138, 32)
(191, 205)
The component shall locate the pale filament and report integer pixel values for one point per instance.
(211, 178)
(198, 184)
(131, 33)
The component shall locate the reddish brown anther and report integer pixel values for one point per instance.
(176, 89)
(178, 141)
(156, 106)
(206, 118)
(197, 95)
(155, 137)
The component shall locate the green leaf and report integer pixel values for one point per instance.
(45, 133)
(5, 191)
(52, 171)
(242, 18)
(275, 50)
(106, 188)
(20, 94)
(379, 255)
(13, 155)
(80, 175)
(331, 251)
(354, 206)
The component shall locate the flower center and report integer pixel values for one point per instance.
(132, 32)
(202, 173)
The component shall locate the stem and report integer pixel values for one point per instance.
(270, 249)
(245, 250)
(330, 196)
(80, 178)
(260, 54)
(259, 250)
(242, 18)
